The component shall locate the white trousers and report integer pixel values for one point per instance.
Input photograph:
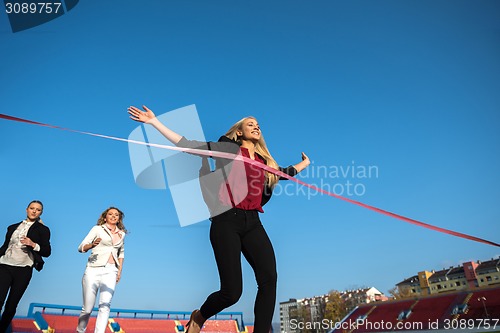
(102, 279)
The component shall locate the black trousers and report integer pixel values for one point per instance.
(231, 234)
(17, 280)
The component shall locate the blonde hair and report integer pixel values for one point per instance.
(260, 148)
(120, 225)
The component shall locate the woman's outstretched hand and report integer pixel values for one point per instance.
(303, 164)
(148, 117)
(141, 116)
(305, 159)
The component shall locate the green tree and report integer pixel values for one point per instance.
(335, 308)
(400, 292)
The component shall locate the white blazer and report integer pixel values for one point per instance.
(100, 254)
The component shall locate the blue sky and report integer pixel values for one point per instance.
(407, 87)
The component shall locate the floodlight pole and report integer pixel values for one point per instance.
(482, 299)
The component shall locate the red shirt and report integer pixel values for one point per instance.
(244, 185)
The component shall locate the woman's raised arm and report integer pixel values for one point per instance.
(148, 117)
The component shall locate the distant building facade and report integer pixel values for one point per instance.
(288, 311)
(363, 296)
(312, 308)
(469, 276)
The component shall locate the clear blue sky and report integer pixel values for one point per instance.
(409, 87)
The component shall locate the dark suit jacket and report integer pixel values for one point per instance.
(209, 184)
(38, 233)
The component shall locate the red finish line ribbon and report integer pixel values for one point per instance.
(266, 168)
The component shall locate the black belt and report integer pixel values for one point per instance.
(239, 212)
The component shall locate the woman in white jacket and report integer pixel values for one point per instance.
(104, 267)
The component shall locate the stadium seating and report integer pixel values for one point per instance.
(63, 323)
(483, 304)
(68, 323)
(135, 325)
(434, 309)
(388, 313)
(424, 313)
(220, 326)
(25, 325)
(476, 304)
